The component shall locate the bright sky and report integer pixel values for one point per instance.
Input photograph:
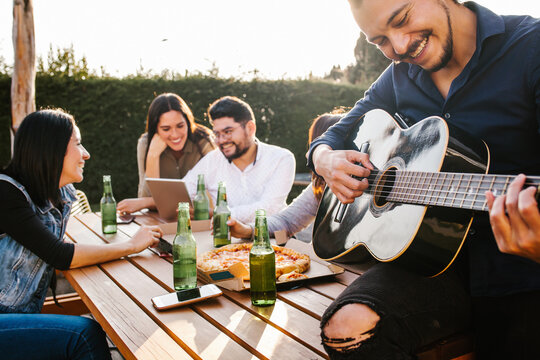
(279, 38)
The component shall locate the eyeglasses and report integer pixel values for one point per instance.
(227, 133)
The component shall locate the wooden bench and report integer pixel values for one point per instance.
(72, 304)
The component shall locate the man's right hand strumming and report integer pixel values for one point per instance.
(337, 168)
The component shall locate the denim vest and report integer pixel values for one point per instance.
(24, 277)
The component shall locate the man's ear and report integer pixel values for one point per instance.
(251, 127)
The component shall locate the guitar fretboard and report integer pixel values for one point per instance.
(456, 190)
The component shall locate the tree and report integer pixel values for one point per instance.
(370, 63)
(63, 63)
(336, 74)
(5, 69)
(24, 73)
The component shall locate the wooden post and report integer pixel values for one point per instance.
(24, 71)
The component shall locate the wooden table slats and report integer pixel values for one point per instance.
(228, 327)
(118, 294)
(207, 340)
(134, 333)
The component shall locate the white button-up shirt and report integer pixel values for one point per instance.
(264, 184)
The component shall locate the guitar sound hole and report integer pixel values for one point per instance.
(384, 187)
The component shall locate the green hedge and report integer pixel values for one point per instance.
(111, 115)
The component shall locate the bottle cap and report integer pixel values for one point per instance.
(183, 206)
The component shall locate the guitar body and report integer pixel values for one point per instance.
(425, 239)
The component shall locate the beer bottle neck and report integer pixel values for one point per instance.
(222, 197)
(107, 188)
(222, 200)
(184, 224)
(261, 237)
(200, 183)
(201, 187)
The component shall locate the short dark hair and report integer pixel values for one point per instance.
(39, 149)
(166, 102)
(230, 106)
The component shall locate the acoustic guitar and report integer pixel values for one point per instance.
(428, 182)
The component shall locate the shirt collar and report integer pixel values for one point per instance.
(68, 193)
(487, 24)
(189, 147)
(257, 154)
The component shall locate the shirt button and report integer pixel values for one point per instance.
(472, 231)
(447, 115)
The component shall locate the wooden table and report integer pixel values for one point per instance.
(118, 294)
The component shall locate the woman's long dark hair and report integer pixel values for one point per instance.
(38, 154)
(166, 102)
(320, 124)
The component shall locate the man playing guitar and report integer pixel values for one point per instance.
(457, 61)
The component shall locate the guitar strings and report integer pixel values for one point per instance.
(440, 181)
(444, 185)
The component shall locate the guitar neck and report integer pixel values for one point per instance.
(455, 190)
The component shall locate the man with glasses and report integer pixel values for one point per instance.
(257, 175)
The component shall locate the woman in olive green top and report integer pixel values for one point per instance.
(178, 143)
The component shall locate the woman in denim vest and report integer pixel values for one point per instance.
(37, 193)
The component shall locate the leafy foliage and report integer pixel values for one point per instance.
(370, 63)
(111, 114)
(63, 63)
(5, 69)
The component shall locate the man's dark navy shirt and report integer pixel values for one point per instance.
(495, 98)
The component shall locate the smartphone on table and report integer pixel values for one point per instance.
(185, 297)
(124, 218)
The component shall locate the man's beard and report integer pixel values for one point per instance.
(448, 48)
(238, 151)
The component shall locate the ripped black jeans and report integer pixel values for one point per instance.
(414, 311)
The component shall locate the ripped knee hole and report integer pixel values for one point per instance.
(349, 327)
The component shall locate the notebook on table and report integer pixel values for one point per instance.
(167, 193)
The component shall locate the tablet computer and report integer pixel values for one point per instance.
(167, 193)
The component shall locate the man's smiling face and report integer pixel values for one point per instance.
(233, 138)
(413, 31)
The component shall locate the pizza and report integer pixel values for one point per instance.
(287, 260)
(293, 275)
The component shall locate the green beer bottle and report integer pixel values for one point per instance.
(184, 252)
(222, 213)
(201, 204)
(108, 207)
(262, 265)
